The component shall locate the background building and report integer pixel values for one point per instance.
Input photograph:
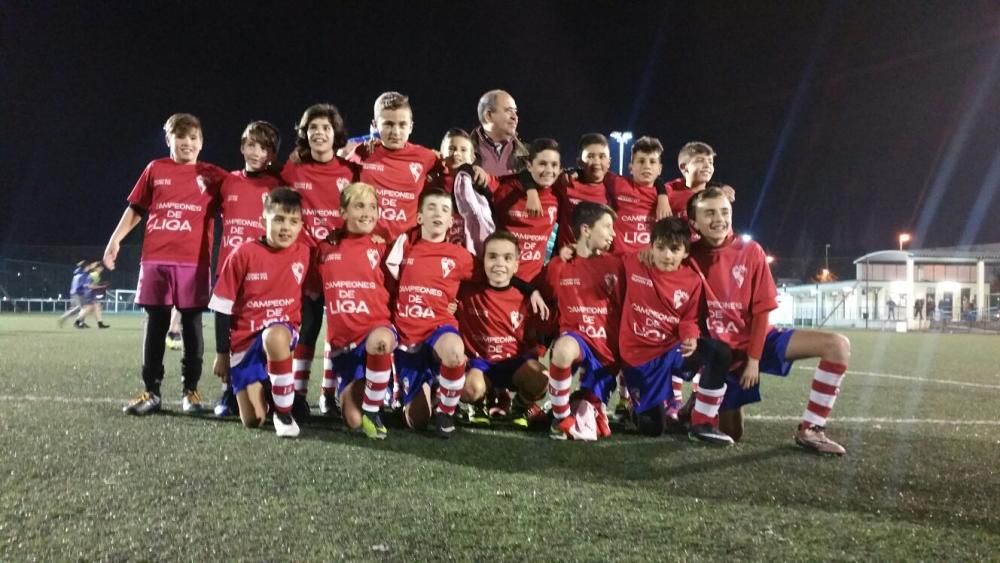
(913, 287)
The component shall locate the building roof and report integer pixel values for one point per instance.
(953, 254)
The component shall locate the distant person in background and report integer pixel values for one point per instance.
(891, 305)
(918, 309)
(95, 296)
(77, 293)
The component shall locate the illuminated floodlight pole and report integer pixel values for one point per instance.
(903, 238)
(622, 137)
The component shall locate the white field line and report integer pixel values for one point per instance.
(911, 378)
(765, 417)
(878, 420)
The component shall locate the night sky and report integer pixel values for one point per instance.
(841, 123)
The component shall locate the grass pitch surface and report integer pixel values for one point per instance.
(918, 413)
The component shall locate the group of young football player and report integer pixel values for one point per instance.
(440, 294)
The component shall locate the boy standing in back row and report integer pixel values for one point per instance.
(179, 198)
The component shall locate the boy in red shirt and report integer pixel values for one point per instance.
(257, 301)
(431, 352)
(243, 195)
(398, 169)
(360, 335)
(740, 294)
(316, 172)
(696, 161)
(493, 315)
(660, 337)
(181, 197)
(588, 290)
(509, 198)
(635, 199)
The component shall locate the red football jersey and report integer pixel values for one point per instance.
(510, 205)
(243, 198)
(320, 184)
(660, 310)
(589, 294)
(181, 201)
(354, 288)
(636, 209)
(398, 176)
(260, 286)
(569, 193)
(739, 286)
(679, 194)
(429, 278)
(492, 321)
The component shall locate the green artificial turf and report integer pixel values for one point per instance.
(82, 481)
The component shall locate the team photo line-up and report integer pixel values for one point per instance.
(433, 272)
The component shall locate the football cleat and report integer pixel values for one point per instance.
(102, 324)
(191, 402)
(444, 425)
(372, 427)
(710, 435)
(327, 404)
(226, 405)
(478, 415)
(144, 403)
(560, 429)
(285, 426)
(812, 437)
(529, 416)
(300, 407)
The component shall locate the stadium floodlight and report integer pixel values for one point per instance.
(622, 137)
(746, 237)
(769, 259)
(903, 238)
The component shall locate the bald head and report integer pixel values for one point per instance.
(498, 115)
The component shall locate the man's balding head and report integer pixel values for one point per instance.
(498, 115)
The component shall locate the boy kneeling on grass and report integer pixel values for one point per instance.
(259, 300)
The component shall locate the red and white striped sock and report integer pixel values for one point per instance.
(825, 387)
(560, 381)
(451, 381)
(706, 406)
(677, 386)
(282, 386)
(329, 385)
(302, 365)
(377, 372)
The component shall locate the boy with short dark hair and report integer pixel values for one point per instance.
(493, 315)
(696, 161)
(588, 290)
(258, 301)
(179, 197)
(661, 336)
(635, 199)
(740, 293)
(431, 354)
(509, 198)
(243, 194)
